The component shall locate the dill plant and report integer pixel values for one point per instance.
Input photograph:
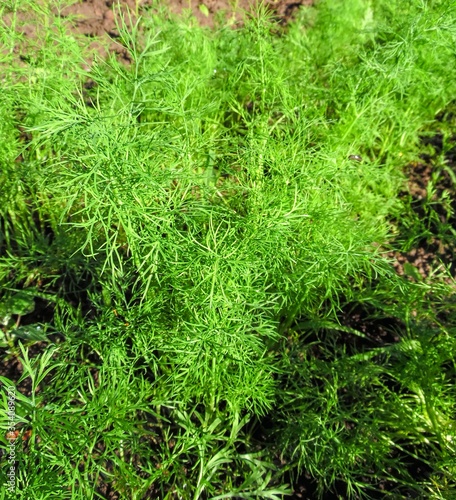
(199, 218)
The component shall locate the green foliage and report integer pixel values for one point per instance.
(197, 221)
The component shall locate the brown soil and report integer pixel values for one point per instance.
(95, 18)
(428, 186)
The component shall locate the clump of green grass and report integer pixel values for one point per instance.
(196, 221)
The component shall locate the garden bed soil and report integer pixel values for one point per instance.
(429, 254)
(95, 18)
